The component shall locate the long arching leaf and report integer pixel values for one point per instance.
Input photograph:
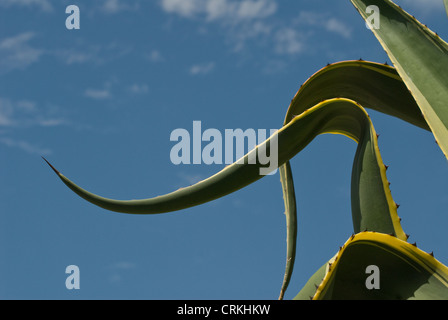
(373, 85)
(289, 197)
(421, 59)
(338, 116)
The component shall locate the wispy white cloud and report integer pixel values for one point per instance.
(80, 53)
(185, 8)
(18, 116)
(289, 41)
(43, 122)
(244, 22)
(116, 6)
(6, 113)
(70, 56)
(114, 88)
(274, 66)
(25, 146)
(253, 22)
(202, 68)
(155, 56)
(118, 269)
(123, 265)
(98, 94)
(43, 5)
(257, 30)
(16, 52)
(106, 92)
(222, 10)
(324, 21)
(239, 11)
(25, 113)
(138, 88)
(337, 26)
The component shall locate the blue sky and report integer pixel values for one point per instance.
(100, 103)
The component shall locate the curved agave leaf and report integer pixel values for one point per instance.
(405, 272)
(373, 85)
(289, 197)
(446, 5)
(421, 59)
(310, 288)
(338, 116)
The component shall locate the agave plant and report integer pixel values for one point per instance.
(334, 100)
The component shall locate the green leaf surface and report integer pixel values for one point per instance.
(403, 272)
(378, 87)
(421, 59)
(373, 208)
(338, 116)
(373, 85)
(289, 198)
(446, 6)
(309, 289)
(333, 101)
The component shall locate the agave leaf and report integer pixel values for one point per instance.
(337, 116)
(405, 272)
(309, 289)
(373, 85)
(421, 59)
(446, 5)
(376, 86)
(289, 198)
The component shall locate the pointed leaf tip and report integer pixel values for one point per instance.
(54, 169)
